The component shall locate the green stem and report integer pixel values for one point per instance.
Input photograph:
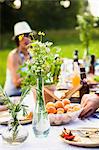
(40, 91)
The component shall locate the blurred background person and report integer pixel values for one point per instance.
(16, 58)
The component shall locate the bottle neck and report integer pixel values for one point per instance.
(76, 68)
(75, 56)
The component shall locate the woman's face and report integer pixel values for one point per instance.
(23, 43)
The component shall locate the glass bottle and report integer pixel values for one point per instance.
(41, 124)
(86, 60)
(92, 65)
(85, 87)
(82, 72)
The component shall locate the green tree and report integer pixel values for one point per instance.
(41, 14)
(86, 23)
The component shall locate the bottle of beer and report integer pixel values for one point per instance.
(85, 87)
(92, 65)
(82, 72)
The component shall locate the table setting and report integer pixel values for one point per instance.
(59, 120)
(63, 113)
(32, 122)
(53, 140)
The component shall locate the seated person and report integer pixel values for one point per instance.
(90, 103)
(16, 58)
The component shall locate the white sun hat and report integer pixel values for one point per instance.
(21, 28)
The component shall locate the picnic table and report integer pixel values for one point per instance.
(53, 141)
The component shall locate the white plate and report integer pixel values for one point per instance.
(22, 122)
(84, 141)
(5, 117)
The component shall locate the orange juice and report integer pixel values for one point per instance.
(76, 75)
(75, 80)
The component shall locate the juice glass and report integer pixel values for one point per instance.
(75, 80)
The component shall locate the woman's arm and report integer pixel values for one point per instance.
(13, 66)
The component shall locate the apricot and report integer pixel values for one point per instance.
(76, 108)
(59, 104)
(66, 101)
(66, 107)
(51, 109)
(60, 112)
(50, 104)
(60, 109)
(70, 110)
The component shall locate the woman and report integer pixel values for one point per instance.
(16, 58)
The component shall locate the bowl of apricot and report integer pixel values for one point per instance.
(62, 112)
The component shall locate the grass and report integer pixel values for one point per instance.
(3, 59)
(68, 41)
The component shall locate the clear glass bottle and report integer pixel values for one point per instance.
(41, 124)
(86, 60)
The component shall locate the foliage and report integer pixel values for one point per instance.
(40, 52)
(39, 14)
(86, 23)
(43, 62)
(67, 40)
(96, 78)
(14, 108)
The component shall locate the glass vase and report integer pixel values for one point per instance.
(14, 134)
(41, 124)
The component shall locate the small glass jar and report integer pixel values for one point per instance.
(14, 136)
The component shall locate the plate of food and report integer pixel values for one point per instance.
(62, 112)
(83, 137)
(26, 119)
(5, 117)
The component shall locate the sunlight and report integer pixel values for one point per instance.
(17, 4)
(65, 3)
(94, 7)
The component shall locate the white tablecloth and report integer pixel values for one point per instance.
(53, 141)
